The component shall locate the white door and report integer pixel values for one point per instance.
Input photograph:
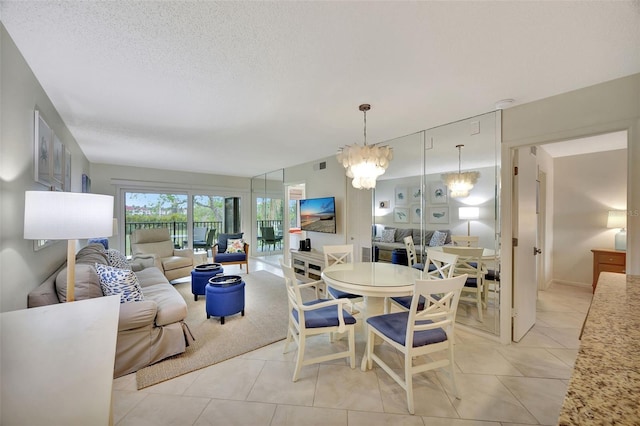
(525, 283)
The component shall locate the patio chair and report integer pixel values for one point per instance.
(206, 244)
(417, 333)
(269, 237)
(320, 316)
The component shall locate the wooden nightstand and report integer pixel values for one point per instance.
(607, 260)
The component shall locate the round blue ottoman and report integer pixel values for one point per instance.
(399, 257)
(224, 296)
(200, 277)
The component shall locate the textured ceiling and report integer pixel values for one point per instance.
(242, 88)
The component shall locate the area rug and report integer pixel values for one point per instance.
(265, 322)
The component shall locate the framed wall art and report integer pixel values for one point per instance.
(437, 193)
(42, 150)
(438, 214)
(401, 195)
(58, 160)
(416, 194)
(416, 213)
(401, 215)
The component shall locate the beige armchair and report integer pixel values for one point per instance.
(154, 247)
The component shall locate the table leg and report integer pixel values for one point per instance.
(372, 306)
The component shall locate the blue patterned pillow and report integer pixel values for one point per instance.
(438, 239)
(117, 259)
(119, 281)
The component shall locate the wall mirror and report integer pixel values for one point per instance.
(412, 197)
(267, 211)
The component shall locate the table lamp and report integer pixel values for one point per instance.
(468, 213)
(618, 219)
(51, 215)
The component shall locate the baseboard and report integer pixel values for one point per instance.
(572, 283)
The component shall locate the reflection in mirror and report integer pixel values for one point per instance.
(268, 212)
(411, 199)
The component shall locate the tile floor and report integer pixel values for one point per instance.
(521, 383)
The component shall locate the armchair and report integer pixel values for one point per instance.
(221, 254)
(154, 247)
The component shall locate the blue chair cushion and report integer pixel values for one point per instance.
(471, 282)
(420, 266)
(323, 317)
(337, 294)
(230, 257)
(394, 326)
(406, 301)
(222, 240)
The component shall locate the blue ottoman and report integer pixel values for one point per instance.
(225, 296)
(200, 277)
(399, 257)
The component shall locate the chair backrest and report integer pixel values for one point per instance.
(441, 302)
(152, 241)
(211, 235)
(268, 233)
(338, 254)
(199, 233)
(293, 291)
(412, 258)
(222, 240)
(465, 240)
(440, 265)
(469, 260)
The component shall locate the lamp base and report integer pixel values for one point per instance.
(621, 240)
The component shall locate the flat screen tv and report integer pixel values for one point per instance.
(318, 215)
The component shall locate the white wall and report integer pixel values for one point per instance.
(586, 187)
(22, 268)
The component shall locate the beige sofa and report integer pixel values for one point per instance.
(155, 247)
(148, 331)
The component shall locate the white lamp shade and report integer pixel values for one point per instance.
(51, 215)
(617, 219)
(468, 213)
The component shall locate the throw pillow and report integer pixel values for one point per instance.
(117, 259)
(235, 246)
(438, 239)
(119, 281)
(87, 283)
(388, 235)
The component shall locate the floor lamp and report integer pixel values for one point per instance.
(468, 214)
(52, 215)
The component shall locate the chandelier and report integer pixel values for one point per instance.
(460, 183)
(365, 163)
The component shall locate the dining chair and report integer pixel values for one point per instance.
(315, 317)
(412, 257)
(417, 333)
(440, 265)
(338, 254)
(470, 263)
(465, 240)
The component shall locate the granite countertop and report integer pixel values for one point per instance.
(605, 385)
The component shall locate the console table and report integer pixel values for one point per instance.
(308, 265)
(57, 363)
(607, 260)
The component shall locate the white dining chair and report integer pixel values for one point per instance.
(417, 333)
(470, 263)
(412, 257)
(440, 265)
(314, 317)
(338, 254)
(465, 240)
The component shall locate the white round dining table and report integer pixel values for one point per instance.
(373, 280)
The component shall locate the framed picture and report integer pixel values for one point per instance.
(401, 215)
(416, 194)
(438, 214)
(416, 213)
(42, 150)
(86, 183)
(401, 195)
(67, 170)
(437, 193)
(58, 160)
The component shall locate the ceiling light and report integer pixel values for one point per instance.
(460, 183)
(365, 163)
